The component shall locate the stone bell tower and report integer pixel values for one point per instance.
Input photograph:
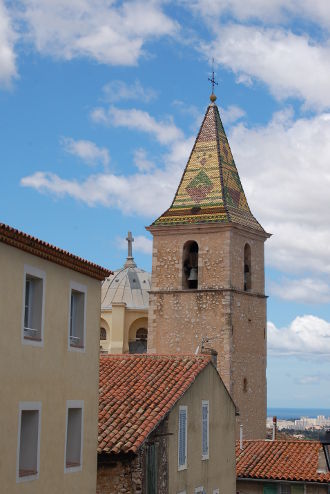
(208, 274)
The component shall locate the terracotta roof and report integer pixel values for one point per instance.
(210, 190)
(280, 460)
(33, 245)
(137, 392)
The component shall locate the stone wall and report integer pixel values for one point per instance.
(234, 320)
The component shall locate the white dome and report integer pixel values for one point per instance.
(129, 285)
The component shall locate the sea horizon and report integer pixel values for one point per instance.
(296, 413)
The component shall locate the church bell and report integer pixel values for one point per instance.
(193, 275)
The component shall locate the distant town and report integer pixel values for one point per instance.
(303, 427)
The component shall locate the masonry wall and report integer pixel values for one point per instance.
(219, 309)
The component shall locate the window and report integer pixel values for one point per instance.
(270, 489)
(285, 489)
(33, 305)
(182, 438)
(77, 324)
(28, 445)
(190, 265)
(103, 334)
(205, 430)
(247, 268)
(245, 385)
(216, 491)
(200, 490)
(74, 435)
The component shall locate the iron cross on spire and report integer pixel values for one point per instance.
(130, 241)
(213, 82)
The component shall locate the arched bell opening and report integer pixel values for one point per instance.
(247, 268)
(139, 344)
(103, 334)
(190, 265)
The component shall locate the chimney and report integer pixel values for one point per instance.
(241, 436)
(213, 353)
(274, 428)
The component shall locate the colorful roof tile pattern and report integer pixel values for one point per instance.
(137, 392)
(210, 190)
(280, 460)
(33, 245)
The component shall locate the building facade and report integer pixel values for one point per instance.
(124, 308)
(208, 274)
(160, 430)
(49, 309)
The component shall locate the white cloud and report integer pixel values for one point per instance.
(306, 290)
(87, 151)
(306, 336)
(284, 167)
(103, 30)
(231, 114)
(290, 65)
(119, 90)
(141, 161)
(141, 244)
(308, 380)
(8, 69)
(164, 131)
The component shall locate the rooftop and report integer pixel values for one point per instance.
(280, 460)
(33, 245)
(137, 392)
(210, 190)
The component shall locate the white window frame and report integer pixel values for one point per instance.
(83, 289)
(34, 406)
(74, 404)
(205, 403)
(37, 273)
(216, 491)
(184, 466)
(199, 490)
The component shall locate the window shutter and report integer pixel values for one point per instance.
(205, 429)
(182, 436)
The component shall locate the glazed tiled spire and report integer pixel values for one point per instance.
(210, 190)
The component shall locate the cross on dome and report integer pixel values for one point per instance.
(130, 259)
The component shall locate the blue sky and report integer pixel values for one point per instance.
(100, 103)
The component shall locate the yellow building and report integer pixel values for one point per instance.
(49, 309)
(124, 308)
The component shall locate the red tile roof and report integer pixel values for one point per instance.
(280, 460)
(137, 392)
(33, 245)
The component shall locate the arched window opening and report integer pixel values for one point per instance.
(190, 265)
(103, 334)
(139, 345)
(247, 268)
(245, 383)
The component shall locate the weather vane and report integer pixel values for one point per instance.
(213, 82)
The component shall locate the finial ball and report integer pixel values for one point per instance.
(213, 97)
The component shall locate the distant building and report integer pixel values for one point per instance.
(124, 308)
(208, 274)
(166, 426)
(282, 467)
(49, 308)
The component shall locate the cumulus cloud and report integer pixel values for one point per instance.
(141, 160)
(232, 114)
(164, 131)
(119, 90)
(284, 167)
(306, 336)
(8, 69)
(290, 65)
(87, 151)
(108, 32)
(306, 290)
(141, 244)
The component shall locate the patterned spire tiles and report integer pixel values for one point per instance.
(210, 190)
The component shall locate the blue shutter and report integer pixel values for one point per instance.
(182, 440)
(205, 429)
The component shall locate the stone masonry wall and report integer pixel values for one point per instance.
(220, 310)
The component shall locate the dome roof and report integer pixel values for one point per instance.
(129, 285)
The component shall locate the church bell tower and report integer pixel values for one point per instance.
(208, 274)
